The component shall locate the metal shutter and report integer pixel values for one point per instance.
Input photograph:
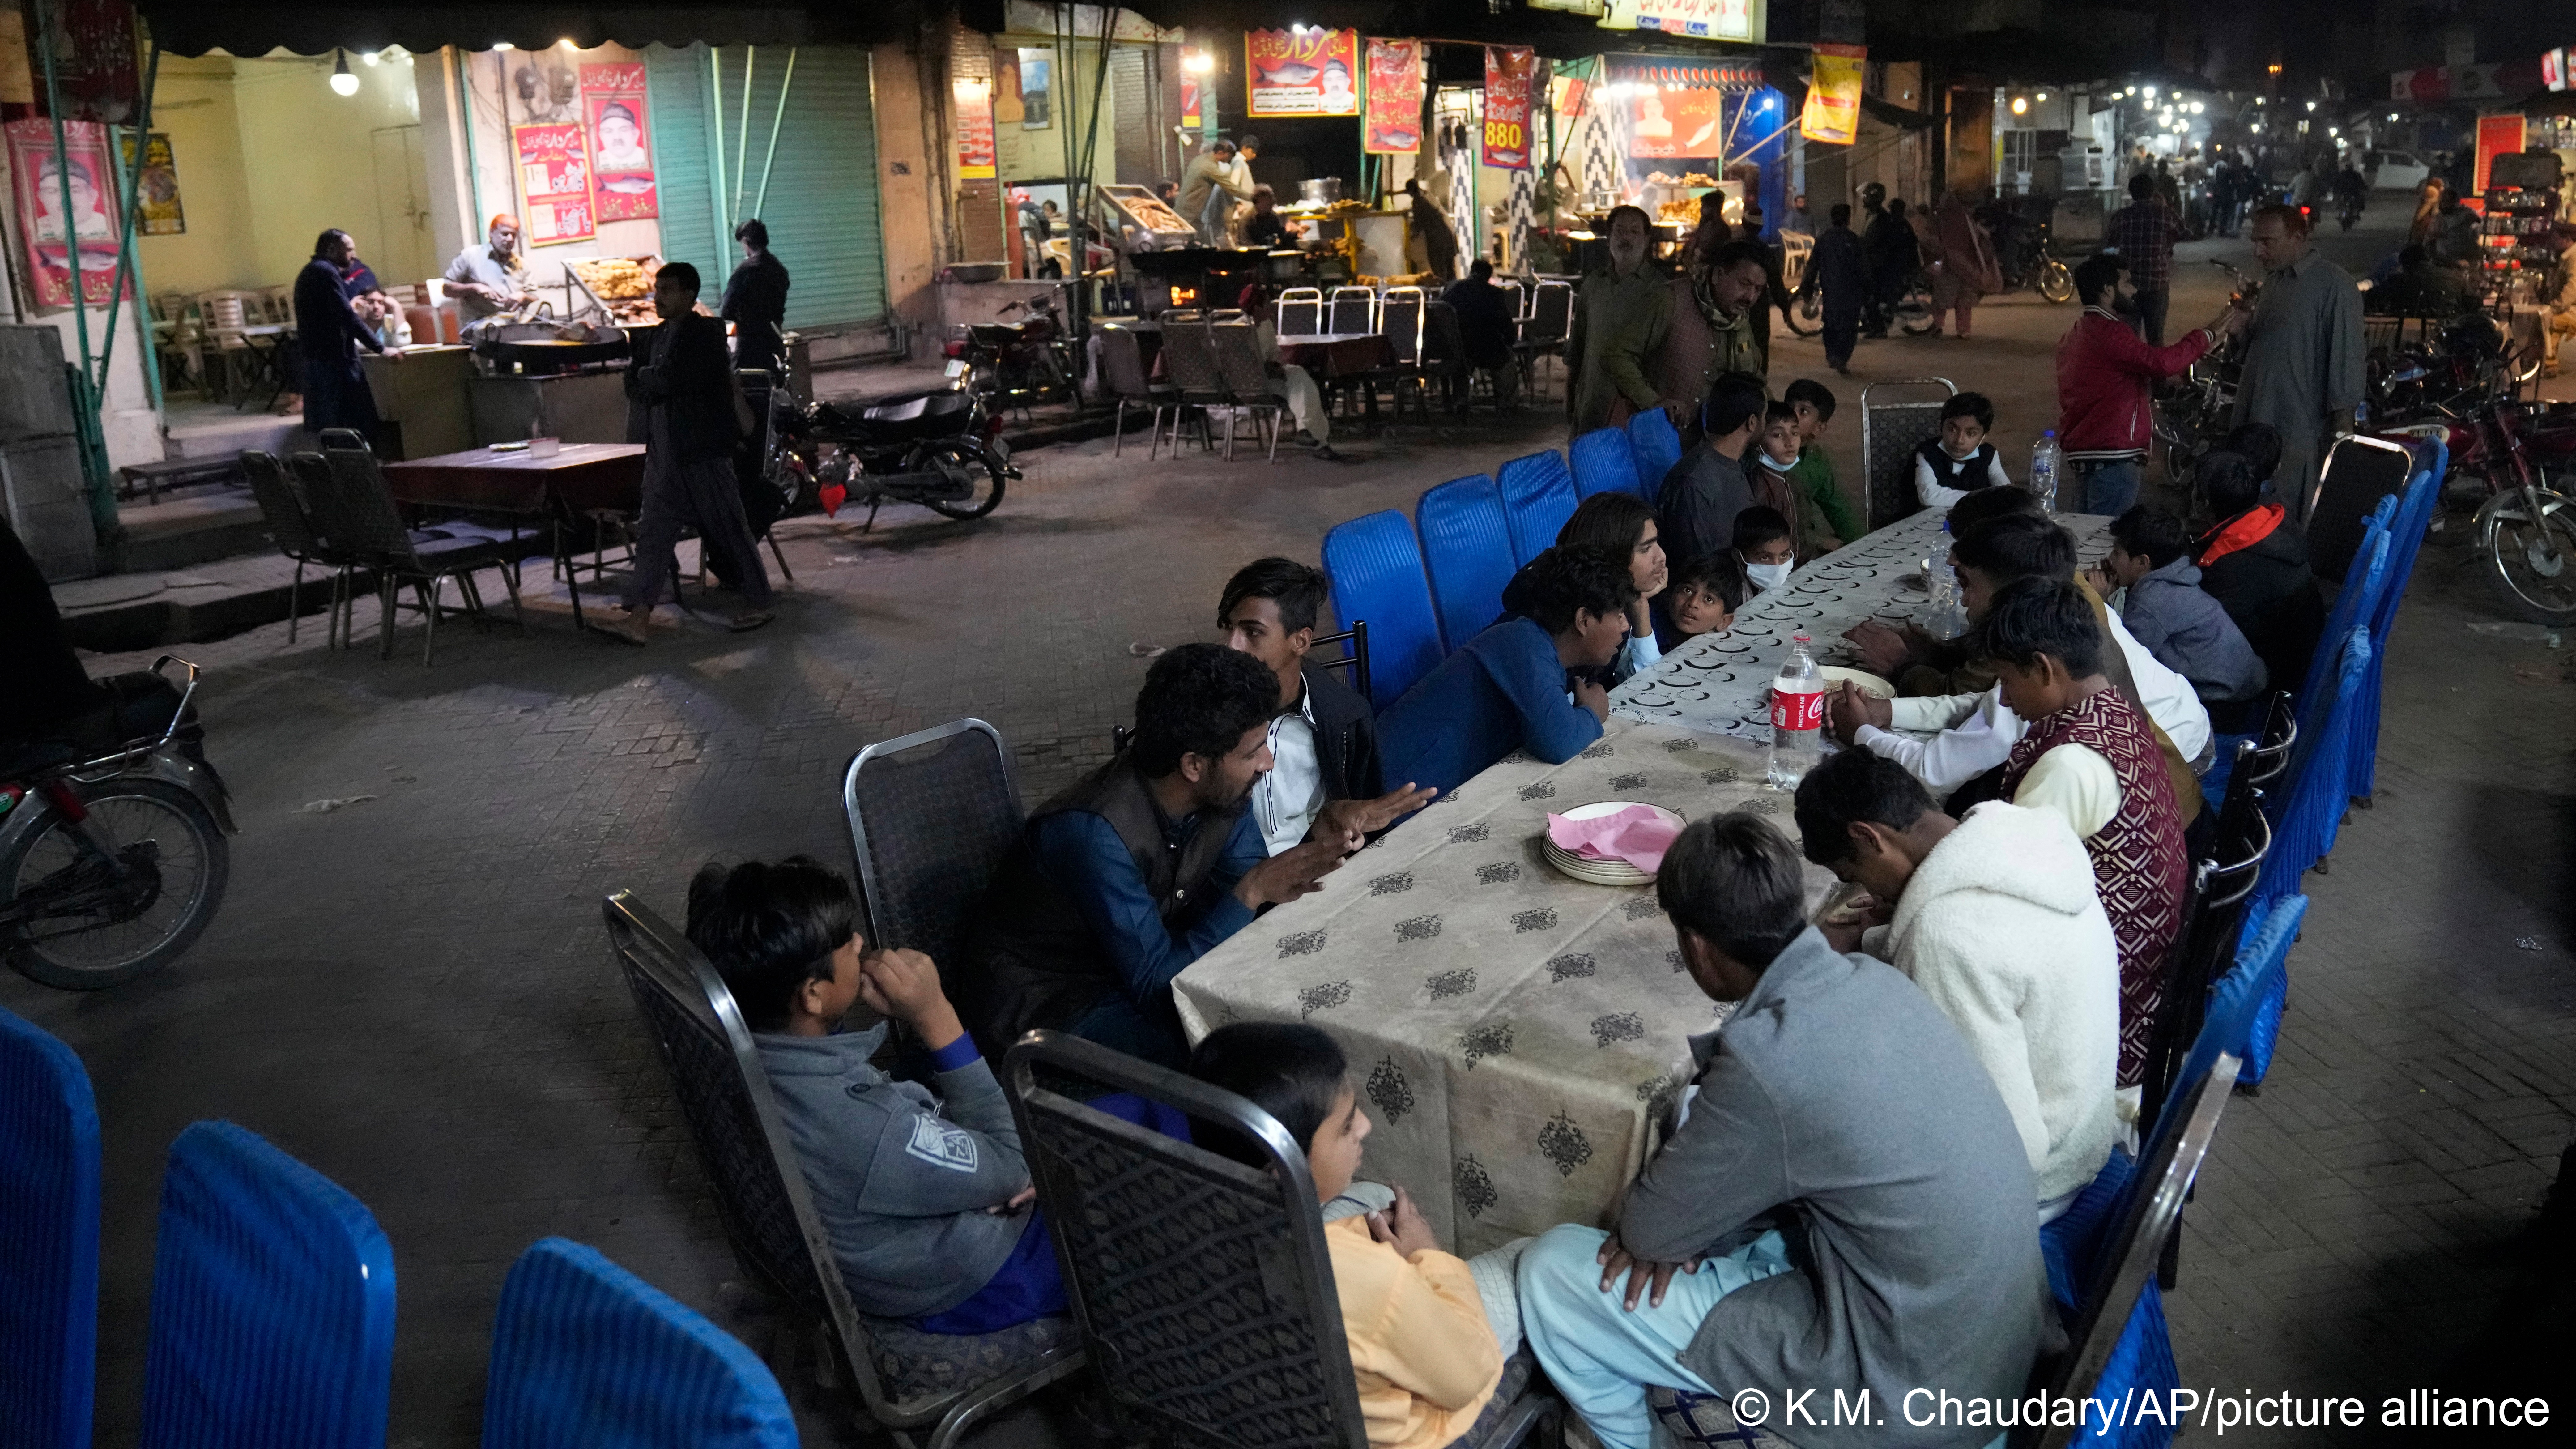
(822, 206)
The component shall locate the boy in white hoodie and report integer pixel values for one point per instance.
(1997, 919)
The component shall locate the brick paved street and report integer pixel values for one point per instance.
(411, 993)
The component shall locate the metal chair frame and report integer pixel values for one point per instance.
(1317, 1394)
(2333, 562)
(1236, 349)
(1365, 298)
(1544, 329)
(1122, 359)
(1311, 302)
(1189, 360)
(292, 528)
(357, 509)
(873, 895)
(1889, 497)
(654, 958)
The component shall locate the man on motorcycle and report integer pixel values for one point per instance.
(2351, 192)
(48, 688)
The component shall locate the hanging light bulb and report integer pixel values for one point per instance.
(2021, 105)
(341, 81)
(371, 57)
(2042, 96)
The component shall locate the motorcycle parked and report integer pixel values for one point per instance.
(2525, 527)
(939, 448)
(1015, 364)
(113, 854)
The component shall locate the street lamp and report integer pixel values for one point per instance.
(1198, 62)
(341, 81)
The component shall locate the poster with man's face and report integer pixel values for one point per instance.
(612, 98)
(53, 231)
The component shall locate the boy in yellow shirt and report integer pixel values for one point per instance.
(1427, 1356)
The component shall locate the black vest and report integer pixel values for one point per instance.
(1031, 959)
(1966, 474)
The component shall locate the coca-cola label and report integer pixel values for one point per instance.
(1797, 711)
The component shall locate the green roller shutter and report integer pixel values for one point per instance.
(822, 204)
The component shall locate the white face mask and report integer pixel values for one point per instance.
(1767, 577)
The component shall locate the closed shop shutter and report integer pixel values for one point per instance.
(822, 206)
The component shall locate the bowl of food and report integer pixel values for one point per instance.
(1838, 675)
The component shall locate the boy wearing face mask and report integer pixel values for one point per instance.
(1775, 473)
(1769, 551)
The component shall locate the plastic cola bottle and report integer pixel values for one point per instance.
(1797, 717)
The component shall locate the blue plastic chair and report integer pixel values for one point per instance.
(48, 1241)
(1605, 462)
(1376, 570)
(2317, 790)
(1538, 496)
(1658, 448)
(272, 1304)
(2405, 540)
(1466, 553)
(2142, 1359)
(586, 1355)
(2361, 590)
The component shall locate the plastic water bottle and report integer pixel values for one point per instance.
(1797, 718)
(2044, 459)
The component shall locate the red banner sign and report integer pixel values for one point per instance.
(1303, 72)
(36, 180)
(553, 162)
(621, 150)
(1511, 76)
(93, 49)
(1394, 123)
(975, 160)
(1673, 122)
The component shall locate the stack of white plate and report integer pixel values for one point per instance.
(1601, 872)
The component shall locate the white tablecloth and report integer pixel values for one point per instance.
(1514, 1031)
(1721, 683)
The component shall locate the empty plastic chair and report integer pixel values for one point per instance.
(1604, 462)
(48, 1241)
(1658, 448)
(1466, 553)
(1538, 496)
(2353, 607)
(586, 1355)
(1376, 569)
(2405, 540)
(272, 1304)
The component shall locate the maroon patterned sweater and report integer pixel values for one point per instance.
(2138, 859)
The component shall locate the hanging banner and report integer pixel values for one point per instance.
(93, 45)
(555, 201)
(156, 191)
(621, 151)
(1677, 122)
(1832, 112)
(1309, 72)
(1511, 75)
(1394, 124)
(2497, 136)
(1190, 101)
(975, 160)
(1740, 20)
(36, 190)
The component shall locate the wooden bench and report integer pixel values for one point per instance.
(150, 478)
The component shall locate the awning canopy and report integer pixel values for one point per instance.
(1686, 75)
(316, 27)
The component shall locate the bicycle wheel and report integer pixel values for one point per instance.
(85, 929)
(2056, 283)
(1914, 315)
(2531, 555)
(1806, 314)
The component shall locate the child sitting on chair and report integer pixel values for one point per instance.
(1422, 1324)
(1701, 598)
(1766, 547)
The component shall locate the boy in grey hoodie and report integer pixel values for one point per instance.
(924, 1196)
(2166, 610)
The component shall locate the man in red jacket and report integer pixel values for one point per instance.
(2106, 377)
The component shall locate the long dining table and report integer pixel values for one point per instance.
(1519, 1036)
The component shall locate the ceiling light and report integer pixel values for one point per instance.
(2131, 91)
(567, 43)
(2150, 93)
(2198, 107)
(503, 45)
(2021, 105)
(2312, 105)
(341, 81)
(369, 57)
(2256, 128)
(1198, 62)
(2042, 96)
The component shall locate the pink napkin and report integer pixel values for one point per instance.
(1636, 835)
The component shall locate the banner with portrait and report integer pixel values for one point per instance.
(621, 141)
(156, 191)
(1393, 126)
(1666, 122)
(1511, 77)
(555, 199)
(1832, 112)
(1302, 72)
(49, 234)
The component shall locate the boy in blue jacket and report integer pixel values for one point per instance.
(1508, 687)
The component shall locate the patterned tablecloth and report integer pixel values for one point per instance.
(1721, 683)
(1514, 1031)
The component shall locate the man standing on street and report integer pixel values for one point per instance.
(687, 389)
(755, 302)
(2143, 233)
(2106, 377)
(1620, 314)
(1209, 190)
(1840, 277)
(2304, 352)
(1713, 327)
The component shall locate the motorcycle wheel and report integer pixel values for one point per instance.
(1914, 314)
(98, 936)
(1806, 314)
(2056, 283)
(2531, 561)
(972, 467)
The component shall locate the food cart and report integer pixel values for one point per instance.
(618, 289)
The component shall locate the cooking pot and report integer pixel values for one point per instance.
(1319, 191)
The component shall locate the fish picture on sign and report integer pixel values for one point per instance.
(1511, 73)
(1301, 72)
(1394, 124)
(621, 156)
